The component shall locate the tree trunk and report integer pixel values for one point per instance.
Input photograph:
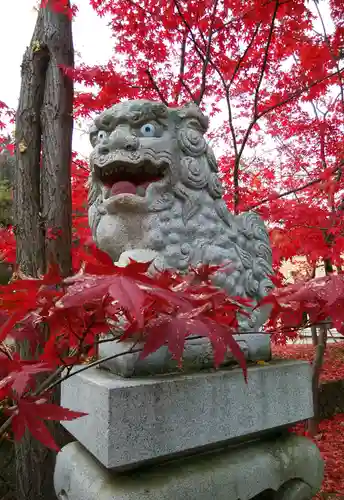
(320, 343)
(42, 197)
(314, 335)
(313, 423)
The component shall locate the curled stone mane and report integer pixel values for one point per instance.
(180, 214)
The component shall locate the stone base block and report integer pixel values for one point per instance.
(139, 420)
(289, 469)
(198, 354)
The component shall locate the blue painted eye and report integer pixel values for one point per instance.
(147, 130)
(102, 135)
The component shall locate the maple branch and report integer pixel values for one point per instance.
(46, 383)
(244, 14)
(143, 10)
(207, 54)
(322, 136)
(241, 59)
(205, 59)
(341, 82)
(291, 191)
(189, 91)
(182, 63)
(227, 94)
(5, 426)
(238, 154)
(185, 22)
(5, 350)
(286, 148)
(155, 86)
(271, 108)
(93, 364)
(230, 121)
(81, 166)
(182, 56)
(255, 107)
(298, 93)
(265, 59)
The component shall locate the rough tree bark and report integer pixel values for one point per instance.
(314, 333)
(7, 166)
(313, 423)
(320, 343)
(42, 194)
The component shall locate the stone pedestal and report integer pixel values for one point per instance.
(291, 467)
(190, 436)
(198, 355)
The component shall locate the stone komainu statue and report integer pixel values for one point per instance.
(154, 188)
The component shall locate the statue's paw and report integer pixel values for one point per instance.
(138, 255)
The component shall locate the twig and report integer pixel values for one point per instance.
(291, 191)
(335, 60)
(227, 96)
(299, 92)
(265, 59)
(189, 91)
(182, 63)
(43, 386)
(241, 59)
(156, 88)
(207, 54)
(5, 426)
(255, 113)
(91, 365)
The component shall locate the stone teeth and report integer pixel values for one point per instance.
(106, 193)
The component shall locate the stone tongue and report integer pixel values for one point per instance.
(123, 187)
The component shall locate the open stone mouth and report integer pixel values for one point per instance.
(120, 178)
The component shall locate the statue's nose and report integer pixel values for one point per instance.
(119, 139)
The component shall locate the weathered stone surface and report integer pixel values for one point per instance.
(154, 186)
(135, 420)
(198, 354)
(295, 489)
(240, 473)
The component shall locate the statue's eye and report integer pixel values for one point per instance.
(101, 135)
(147, 130)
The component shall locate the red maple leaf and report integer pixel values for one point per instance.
(17, 373)
(30, 413)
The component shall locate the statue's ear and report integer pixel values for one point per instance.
(191, 140)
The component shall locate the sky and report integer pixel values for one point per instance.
(17, 22)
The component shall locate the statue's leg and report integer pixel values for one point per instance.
(294, 490)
